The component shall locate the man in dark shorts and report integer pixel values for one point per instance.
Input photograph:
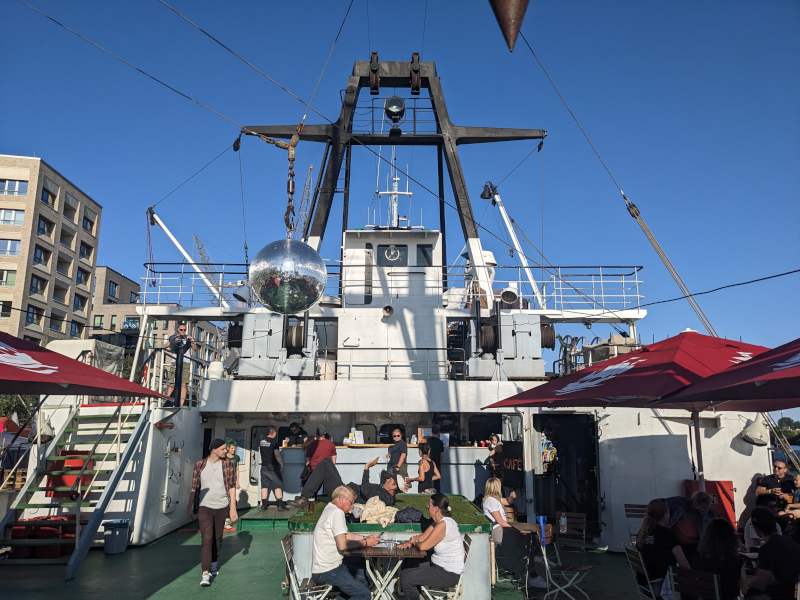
(437, 448)
(780, 483)
(271, 463)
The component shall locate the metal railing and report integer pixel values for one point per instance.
(597, 288)
(424, 363)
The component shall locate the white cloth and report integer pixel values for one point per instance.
(449, 553)
(325, 555)
(212, 486)
(375, 511)
(490, 505)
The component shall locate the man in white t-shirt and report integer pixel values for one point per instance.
(331, 538)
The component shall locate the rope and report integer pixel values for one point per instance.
(244, 215)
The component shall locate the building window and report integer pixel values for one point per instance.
(394, 255)
(113, 322)
(33, 316)
(133, 298)
(38, 285)
(57, 321)
(113, 289)
(60, 293)
(9, 247)
(5, 308)
(70, 207)
(63, 265)
(98, 321)
(45, 227)
(8, 277)
(41, 256)
(86, 251)
(79, 302)
(75, 329)
(82, 276)
(88, 221)
(48, 198)
(130, 323)
(13, 187)
(66, 238)
(10, 216)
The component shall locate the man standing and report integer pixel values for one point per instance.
(331, 539)
(296, 436)
(179, 344)
(320, 449)
(780, 483)
(437, 448)
(271, 465)
(212, 499)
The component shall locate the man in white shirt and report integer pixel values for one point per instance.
(331, 538)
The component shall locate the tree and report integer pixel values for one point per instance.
(15, 403)
(787, 423)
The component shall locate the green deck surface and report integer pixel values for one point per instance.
(469, 519)
(252, 567)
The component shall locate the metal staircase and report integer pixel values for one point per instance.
(56, 516)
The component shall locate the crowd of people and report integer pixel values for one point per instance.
(760, 561)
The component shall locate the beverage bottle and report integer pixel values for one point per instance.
(562, 523)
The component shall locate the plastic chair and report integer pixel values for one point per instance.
(647, 589)
(700, 585)
(457, 591)
(304, 589)
(636, 512)
(561, 577)
(574, 538)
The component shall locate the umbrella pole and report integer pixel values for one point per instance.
(701, 477)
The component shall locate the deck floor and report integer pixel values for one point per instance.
(252, 567)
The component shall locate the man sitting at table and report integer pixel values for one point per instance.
(331, 539)
(778, 560)
(780, 483)
(327, 476)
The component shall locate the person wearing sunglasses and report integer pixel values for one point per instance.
(398, 452)
(179, 344)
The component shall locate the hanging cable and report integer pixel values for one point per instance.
(369, 28)
(237, 147)
(632, 209)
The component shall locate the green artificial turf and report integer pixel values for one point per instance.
(469, 519)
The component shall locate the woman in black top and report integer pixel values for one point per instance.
(657, 543)
(717, 553)
(428, 471)
(398, 453)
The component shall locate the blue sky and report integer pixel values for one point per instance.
(693, 105)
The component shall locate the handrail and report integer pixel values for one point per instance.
(83, 544)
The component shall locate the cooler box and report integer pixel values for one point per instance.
(115, 536)
(721, 493)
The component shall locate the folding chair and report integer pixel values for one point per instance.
(648, 589)
(457, 590)
(695, 584)
(305, 589)
(574, 538)
(636, 512)
(561, 577)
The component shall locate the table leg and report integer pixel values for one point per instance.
(382, 580)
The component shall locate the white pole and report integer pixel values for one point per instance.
(522, 258)
(157, 220)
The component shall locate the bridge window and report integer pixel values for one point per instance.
(424, 255)
(392, 255)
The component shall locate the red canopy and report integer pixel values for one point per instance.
(27, 368)
(771, 381)
(638, 378)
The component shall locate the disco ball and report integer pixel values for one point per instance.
(288, 276)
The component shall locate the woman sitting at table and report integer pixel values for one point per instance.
(718, 553)
(657, 543)
(493, 508)
(447, 561)
(428, 471)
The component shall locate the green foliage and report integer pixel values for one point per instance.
(13, 403)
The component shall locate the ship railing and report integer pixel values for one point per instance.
(598, 288)
(428, 363)
(369, 117)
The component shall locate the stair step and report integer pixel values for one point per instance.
(77, 456)
(37, 542)
(126, 430)
(66, 488)
(49, 523)
(62, 502)
(91, 471)
(103, 418)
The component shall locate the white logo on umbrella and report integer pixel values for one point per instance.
(599, 377)
(741, 356)
(11, 357)
(792, 361)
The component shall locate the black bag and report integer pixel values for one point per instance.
(408, 515)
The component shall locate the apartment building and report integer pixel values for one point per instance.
(49, 232)
(115, 318)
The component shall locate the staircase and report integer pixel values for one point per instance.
(56, 516)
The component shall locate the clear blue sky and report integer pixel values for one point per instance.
(693, 105)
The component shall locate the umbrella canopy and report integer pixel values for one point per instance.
(27, 368)
(638, 378)
(770, 381)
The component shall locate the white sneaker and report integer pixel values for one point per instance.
(537, 582)
(205, 580)
(214, 569)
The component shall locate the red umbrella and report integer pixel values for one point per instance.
(639, 378)
(769, 382)
(27, 368)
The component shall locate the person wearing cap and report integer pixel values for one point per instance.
(212, 499)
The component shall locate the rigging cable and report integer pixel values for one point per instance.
(237, 147)
(369, 29)
(633, 210)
